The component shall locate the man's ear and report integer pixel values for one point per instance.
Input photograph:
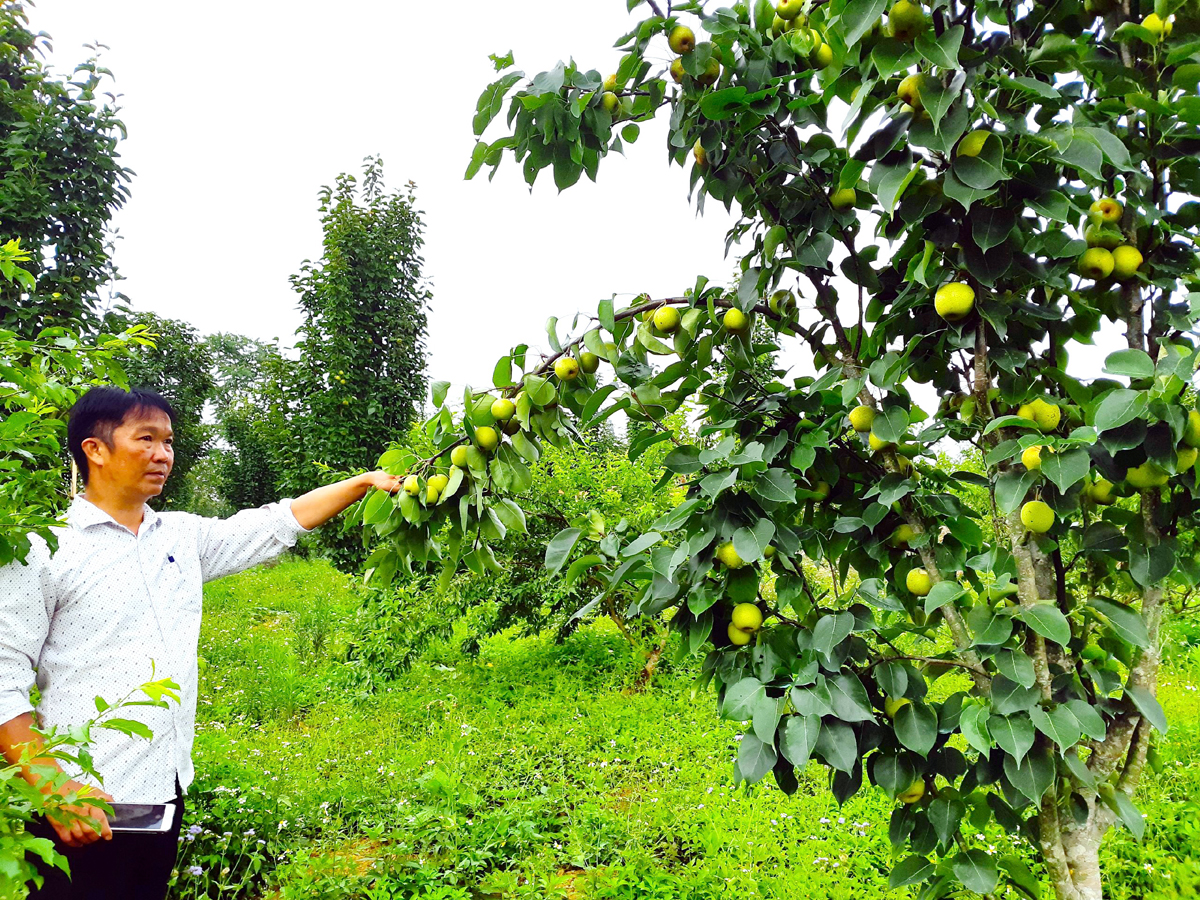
(95, 450)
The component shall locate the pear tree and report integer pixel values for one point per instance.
(931, 201)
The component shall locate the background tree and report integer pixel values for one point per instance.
(60, 180)
(989, 659)
(361, 376)
(250, 406)
(178, 366)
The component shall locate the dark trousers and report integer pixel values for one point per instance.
(131, 866)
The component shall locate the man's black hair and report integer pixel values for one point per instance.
(102, 410)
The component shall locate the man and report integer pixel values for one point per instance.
(120, 599)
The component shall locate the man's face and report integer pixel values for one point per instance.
(141, 455)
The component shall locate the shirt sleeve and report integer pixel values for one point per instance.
(246, 539)
(24, 624)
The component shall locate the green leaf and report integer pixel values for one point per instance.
(438, 391)
(1047, 621)
(1012, 734)
(1119, 407)
(858, 17)
(837, 746)
(131, 727)
(510, 514)
(1147, 704)
(976, 870)
(798, 739)
(581, 565)
(1016, 666)
(1058, 724)
(1125, 621)
(502, 374)
(775, 236)
(940, 50)
(560, 548)
(741, 697)
(1131, 363)
(1066, 468)
(755, 758)
(1012, 488)
(942, 593)
(973, 722)
(891, 424)
(913, 870)
(641, 544)
(945, 814)
(776, 486)
(849, 698)
(916, 727)
(670, 521)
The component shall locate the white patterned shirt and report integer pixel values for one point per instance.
(109, 611)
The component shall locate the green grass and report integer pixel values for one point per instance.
(527, 772)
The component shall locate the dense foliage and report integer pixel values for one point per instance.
(60, 181)
(943, 204)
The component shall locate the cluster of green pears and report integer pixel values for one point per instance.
(1108, 253)
(682, 40)
(788, 18)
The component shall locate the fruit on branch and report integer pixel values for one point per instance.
(861, 418)
(512, 426)
(789, 9)
(1031, 458)
(666, 319)
(892, 705)
(778, 25)
(972, 144)
(1097, 235)
(918, 582)
(502, 409)
(681, 40)
(712, 71)
(823, 55)
(954, 301)
(700, 155)
(901, 536)
(909, 90)
(906, 20)
(877, 443)
(610, 83)
(966, 412)
(435, 486)
(783, 304)
(1037, 516)
(1185, 458)
(1101, 492)
(1127, 259)
(609, 102)
(843, 198)
(729, 556)
(1158, 26)
(486, 438)
(1042, 413)
(737, 637)
(1096, 263)
(1146, 476)
(912, 793)
(589, 362)
(458, 456)
(1191, 429)
(1107, 210)
(747, 616)
(412, 485)
(768, 551)
(822, 489)
(677, 70)
(566, 368)
(735, 321)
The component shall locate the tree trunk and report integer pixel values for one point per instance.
(643, 679)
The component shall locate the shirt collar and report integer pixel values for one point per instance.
(83, 514)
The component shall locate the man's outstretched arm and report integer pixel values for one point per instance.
(319, 506)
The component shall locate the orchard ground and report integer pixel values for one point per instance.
(529, 771)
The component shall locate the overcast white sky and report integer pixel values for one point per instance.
(238, 115)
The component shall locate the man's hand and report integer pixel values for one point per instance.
(383, 481)
(71, 823)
